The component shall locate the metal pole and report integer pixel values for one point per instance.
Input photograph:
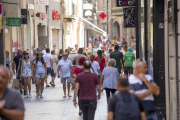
(3, 23)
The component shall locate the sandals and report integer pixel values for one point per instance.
(64, 96)
(69, 96)
(80, 113)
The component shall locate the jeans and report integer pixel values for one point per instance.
(88, 109)
(128, 70)
(79, 100)
(151, 116)
(108, 92)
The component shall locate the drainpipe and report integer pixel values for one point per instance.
(166, 52)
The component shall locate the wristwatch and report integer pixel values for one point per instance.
(74, 100)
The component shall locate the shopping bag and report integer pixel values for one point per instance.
(15, 84)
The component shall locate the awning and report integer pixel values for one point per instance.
(93, 27)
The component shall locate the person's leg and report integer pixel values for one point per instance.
(10, 76)
(37, 84)
(80, 109)
(42, 85)
(151, 116)
(119, 70)
(130, 70)
(53, 76)
(125, 70)
(29, 84)
(107, 93)
(112, 91)
(92, 109)
(25, 85)
(63, 81)
(68, 85)
(84, 106)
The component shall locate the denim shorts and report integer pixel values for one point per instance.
(40, 75)
(51, 72)
(63, 80)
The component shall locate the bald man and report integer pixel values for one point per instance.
(11, 105)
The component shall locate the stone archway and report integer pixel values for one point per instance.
(116, 29)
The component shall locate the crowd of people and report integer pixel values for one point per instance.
(111, 66)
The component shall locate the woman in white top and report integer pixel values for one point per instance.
(40, 71)
(124, 50)
(108, 78)
(95, 66)
(55, 62)
(56, 50)
(26, 73)
(107, 56)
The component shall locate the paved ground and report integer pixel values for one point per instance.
(54, 107)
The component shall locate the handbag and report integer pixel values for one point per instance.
(15, 84)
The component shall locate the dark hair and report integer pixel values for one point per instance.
(87, 65)
(47, 50)
(61, 51)
(110, 50)
(92, 58)
(52, 51)
(81, 60)
(123, 81)
(24, 53)
(116, 47)
(80, 51)
(38, 49)
(99, 52)
(54, 44)
(37, 59)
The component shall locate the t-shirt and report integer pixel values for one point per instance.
(88, 82)
(65, 66)
(72, 56)
(139, 87)
(117, 55)
(32, 57)
(129, 57)
(16, 59)
(101, 64)
(47, 57)
(76, 58)
(77, 71)
(40, 67)
(44, 52)
(114, 41)
(13, 101)
(113, 101)
(95, 66)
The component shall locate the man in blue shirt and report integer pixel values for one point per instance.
(144, 87)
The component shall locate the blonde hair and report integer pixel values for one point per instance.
(112, 62)
(138, 63)
(125, 47)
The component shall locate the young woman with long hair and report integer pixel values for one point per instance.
(26, 73)
(100, 60)
(40, 71)
(60, 54)
(124, 49)
(95, 66)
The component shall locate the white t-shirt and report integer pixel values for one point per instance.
(47, 57)
(44, 51)
(65, 67)
(32, 57)
(39, 67)
(95, 66)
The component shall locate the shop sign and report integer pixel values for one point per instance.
(129, 17)
(102, 15)
(121, 3)
(0, 17)
(42, 16)
(87, 13)
(43, 2)
(14, 21)
(30, 6)
(55, 14)
(24, 16)
(1, 9)
(87, 6)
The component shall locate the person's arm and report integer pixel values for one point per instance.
(143, 116)
(99, 91)
(51, 60)
(110, 115)
(34, 71)
(72, 72)
(141, 96)
(12, 114)
(45, 69)
(32, 67)
(75, 93)
(101, 78)
(58, 69)
(21, 64)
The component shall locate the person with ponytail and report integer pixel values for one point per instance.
(95, 68)
(100, 60)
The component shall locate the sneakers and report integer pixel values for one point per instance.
(41, 96)
(37, 95)
(52, 85)
(48, 86)
(21, 92)
(25, 96)
(30, 96)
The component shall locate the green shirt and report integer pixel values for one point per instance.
(129, 57)
(117, 55)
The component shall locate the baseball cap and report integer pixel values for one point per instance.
(129, 48)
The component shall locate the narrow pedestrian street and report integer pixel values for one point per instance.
(54, 107)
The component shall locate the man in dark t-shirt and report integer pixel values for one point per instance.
(88, 83)
(118, 56)
(16, 59)
(122, 86)
(11, 105)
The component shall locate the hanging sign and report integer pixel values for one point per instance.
(121, 3)
(24, 16)
(14, 21)
(129, 17)
(55, 14)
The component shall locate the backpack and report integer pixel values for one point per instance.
(127, 108)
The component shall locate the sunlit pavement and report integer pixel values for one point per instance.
(54, 107)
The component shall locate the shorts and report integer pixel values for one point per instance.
(40, 75)
(51, 72)
(63, 80)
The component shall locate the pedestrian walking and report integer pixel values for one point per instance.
(124, 50)
(33, 57)
(11, 105)
(76, 48)
(89, 53)
(88, 83)
(39, 51)
(40, 71)
(44, 51)
(56, 50)
(50, 70)
(119, 43)
(107, 56)
(60, 54)
(118, 56)
(96, 43)
(72, 55)
(107, 45)
(128, 62)
(16, 62)
(65, 67)
(26, 73)
(133, 43)
(144, 87)
(80, 54)
(8, 65)
(100, 60)
(108, 78)
(95, 68)
(55, 62)
(78, 69)
(114, 41)
(123, 105)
